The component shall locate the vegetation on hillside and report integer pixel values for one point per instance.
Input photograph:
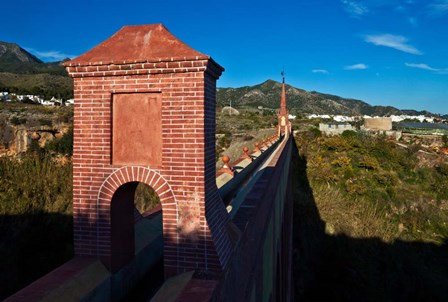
(60, 114)
(371, 223)
(234, 132)
(379, 185)
(35, 218)
(43, 84)
(145, 198)
(62, 145)
(16, 117)
(267, 94)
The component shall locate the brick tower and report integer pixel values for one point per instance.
(283, 122)
(145, 113)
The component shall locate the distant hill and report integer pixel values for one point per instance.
(41, 84)
(14, 59)
(23, 73)
(12, 54)
(267, 94)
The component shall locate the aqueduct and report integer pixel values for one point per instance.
(145, 113)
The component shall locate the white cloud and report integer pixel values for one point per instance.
(362, 7)
(355, 8)
(322, 71)
(392, 41)
(427, 67)
(50, 55)
(421, 66)
(438, 8)
(356, 67)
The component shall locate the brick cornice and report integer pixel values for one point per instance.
(100, 69)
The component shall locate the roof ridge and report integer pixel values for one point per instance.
(138, 43)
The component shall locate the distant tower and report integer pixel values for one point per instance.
(283, 122)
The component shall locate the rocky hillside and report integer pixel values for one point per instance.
(267, 95)
(23, 73)
(21, 126)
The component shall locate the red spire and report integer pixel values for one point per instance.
(283, 110)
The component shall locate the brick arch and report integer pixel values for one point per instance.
(117, 183)
(140, 174)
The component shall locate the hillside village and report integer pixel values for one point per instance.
(427, 130)
(395, 118)
(34, 99)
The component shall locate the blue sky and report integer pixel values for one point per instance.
(384, 52)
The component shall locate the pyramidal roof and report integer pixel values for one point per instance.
(138, 43)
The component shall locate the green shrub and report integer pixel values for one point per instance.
(62, 145)
(442, 169)
(145, 198)
(336, 143)
(17, 121)
(349, 134)
(368, 162)
(45, 122)
(315, 132)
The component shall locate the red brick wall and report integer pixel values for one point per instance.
(193, 214)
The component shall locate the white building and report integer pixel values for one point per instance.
(69, 102)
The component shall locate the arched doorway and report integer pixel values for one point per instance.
(135, 208)
(125, 234)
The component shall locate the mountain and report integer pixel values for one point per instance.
(23, 73)
(15, 59)
(11, 54)
(267, 94)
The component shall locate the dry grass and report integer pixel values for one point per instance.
(353, 247)
(355, 218)
(235, 150)
(35, 218)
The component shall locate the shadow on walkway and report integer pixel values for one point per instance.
(32, 245)
(341, 268)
